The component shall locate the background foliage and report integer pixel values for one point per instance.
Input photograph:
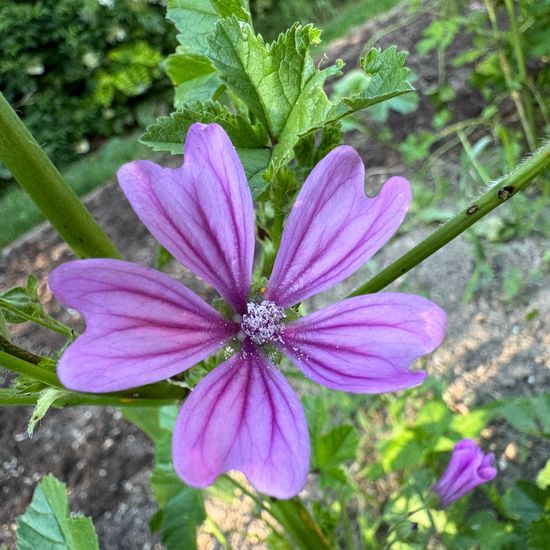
(79, 70)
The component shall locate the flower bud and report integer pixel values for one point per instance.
(468, 468)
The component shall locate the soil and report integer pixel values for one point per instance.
(492, 348)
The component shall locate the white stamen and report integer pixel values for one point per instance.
(263, 322)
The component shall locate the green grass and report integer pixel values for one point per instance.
(19, 214)
(352, 15)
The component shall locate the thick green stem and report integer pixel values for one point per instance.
(9, 397)
(34, 171)
(161, 393)
(505, 188)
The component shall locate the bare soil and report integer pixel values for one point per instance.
(492, 349)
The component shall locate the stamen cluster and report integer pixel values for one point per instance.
(263, 322)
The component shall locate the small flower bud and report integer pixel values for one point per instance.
(468, 468)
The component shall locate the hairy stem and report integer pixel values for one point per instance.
(500, 192)
(161, 393)
(35, 172)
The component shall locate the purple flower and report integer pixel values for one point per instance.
(143, 326)
(468, 468)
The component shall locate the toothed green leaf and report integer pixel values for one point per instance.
(47, 522)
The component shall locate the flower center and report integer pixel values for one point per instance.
(263, 322)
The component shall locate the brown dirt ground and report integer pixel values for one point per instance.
(491, 350)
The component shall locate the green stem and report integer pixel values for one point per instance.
(297, 522)
(16, 351)
(8, 397)
(508, 186)
(45, 321)
(34, 171)
(161, 393)
(25, 368)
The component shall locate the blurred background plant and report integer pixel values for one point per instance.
(81, 71)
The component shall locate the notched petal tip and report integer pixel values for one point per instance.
(334, 228)
(366, 344)
(243, 416)
(202, 212)
(142, 326)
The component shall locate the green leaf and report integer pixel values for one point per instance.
(387, 77)
(255, 162)
(181, 508)
(195, 19)
(48, 524)
(47, 398)
(279, 82)
(539, 533)
(337, 446)
(193, 75)
(184, 510)
(525, 501)
(402, 451)
(527, 415)
(20, 302)
(168, 133)
(543, 477)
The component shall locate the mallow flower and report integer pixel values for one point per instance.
(143, 326)
(467, 469)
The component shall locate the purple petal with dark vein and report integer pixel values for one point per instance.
(244, 416)
(202, 212)
(142, 326)
(366, 344)
(334, 228)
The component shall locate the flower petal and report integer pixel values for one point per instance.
(142, 325)
(244, 416)
(366, 344)
(202, 212)
(333, 227)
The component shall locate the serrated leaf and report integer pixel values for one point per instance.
(168, 133)
(195, 19)
(19, 302)
(386, 77)
(193, 75)
(47, 398)
(279, 82)
(337, 446)
(48, 524)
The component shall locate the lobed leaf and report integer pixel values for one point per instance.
(278, 82)
(386, 77)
